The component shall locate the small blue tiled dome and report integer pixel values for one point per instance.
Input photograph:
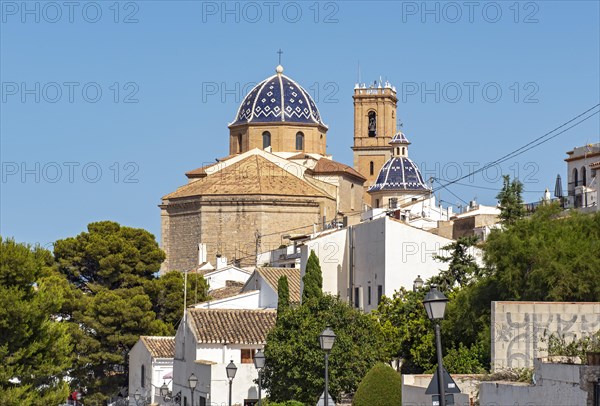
(399, 173)
(399, 138)
(278, 98)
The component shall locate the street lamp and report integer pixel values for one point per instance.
(435, 306)
(418, 283)
(259, 364)
(192, 382)
(138, 396)
(164, 390)
(326, 340)
(231, 370)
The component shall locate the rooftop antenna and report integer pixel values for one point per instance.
(280, 52)
(359, 71)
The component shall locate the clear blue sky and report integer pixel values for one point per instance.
(171, 57)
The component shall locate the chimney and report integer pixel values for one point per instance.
(221, 262)
(201, 253)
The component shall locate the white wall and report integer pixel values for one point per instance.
(218, 279)
(331, 249)
(208, 363)
(385, 252)
(155, 369)
(246, 300)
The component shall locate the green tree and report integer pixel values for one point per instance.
(295, 362)
(166, 295)
(108, 325)
(382, 386)
(112, 270)
(283, 295)
(35, 347)
(409, 334)
(110, 256)
(313, 278)
(462, 267)
(511, 201)
(546, 257)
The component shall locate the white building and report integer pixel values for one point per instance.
(363, 262)
(206, 341)
(150, 366)
(259, 291)
(583, 167)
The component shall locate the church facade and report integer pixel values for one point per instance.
(278, 180)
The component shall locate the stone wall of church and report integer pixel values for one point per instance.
(283, 137)
(229, 227)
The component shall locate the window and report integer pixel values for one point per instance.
(376, 203)
(575, 177)
(356, 298)
(372, 124)
(583, 176)
(247, 356)
(393, 202)
(239, 143)
(369, 295)
(202, 401)
(379, 293)
(371, 168)
(143, 375)
(397, 150)
(299, 141)
(403, 151)
(266, 139)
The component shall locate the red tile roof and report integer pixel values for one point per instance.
(232, 326)
(160, 347)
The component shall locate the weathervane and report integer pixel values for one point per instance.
(280, 52)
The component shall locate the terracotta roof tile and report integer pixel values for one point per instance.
(160, 347)
(325, 165)
(254, 175)
(233, 288)
(232, 326)
(272, 276)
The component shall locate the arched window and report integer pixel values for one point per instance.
(575, 177)
(299, 141)
(266, 139)
(403, 150)
(397, 150)
(371, 168)
(372, 124)
(583, 176)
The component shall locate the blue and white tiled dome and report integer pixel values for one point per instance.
(399, 173)
(278, 98)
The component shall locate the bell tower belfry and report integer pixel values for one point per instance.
(374, 128)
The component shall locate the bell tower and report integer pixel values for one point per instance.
(374, 128)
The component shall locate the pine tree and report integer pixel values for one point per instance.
(283, 295)
(313, 279)
(511, 201)
(35, 347)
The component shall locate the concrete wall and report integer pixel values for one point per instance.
(556, 385)
(517, 328)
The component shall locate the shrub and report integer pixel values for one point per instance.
(381, 386)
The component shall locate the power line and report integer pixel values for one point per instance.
(529, 145)
(521, 150)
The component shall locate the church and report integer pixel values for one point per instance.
(278, 179)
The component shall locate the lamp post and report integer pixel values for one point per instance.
(435, 306)
(326, 340)
(192, 382)
(259, 364)
(231, 370)
(138, 396)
